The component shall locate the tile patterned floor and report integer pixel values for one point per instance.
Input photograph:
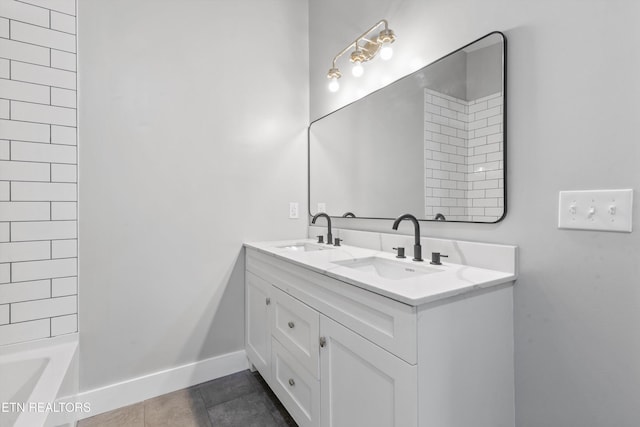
(238, 400)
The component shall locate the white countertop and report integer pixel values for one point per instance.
(452, 280)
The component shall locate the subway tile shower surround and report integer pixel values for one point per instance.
(463, 157)
(38, 170)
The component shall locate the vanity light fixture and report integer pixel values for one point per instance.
(365, 48)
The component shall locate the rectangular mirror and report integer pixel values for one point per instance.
(431, 144)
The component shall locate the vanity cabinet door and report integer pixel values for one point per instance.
(258, 320)
(362, 384)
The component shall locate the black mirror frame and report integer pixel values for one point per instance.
(504, 135)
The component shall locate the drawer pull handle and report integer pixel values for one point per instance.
(291, 325)
(323, 341)
(291, 382)
(268, 301)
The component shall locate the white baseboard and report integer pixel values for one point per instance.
(135, 390)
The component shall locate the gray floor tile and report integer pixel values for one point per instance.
(183, 408)
(129, 416)
(250, 410)
(227, 388)
(240, 400)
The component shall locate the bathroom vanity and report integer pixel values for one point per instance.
(348, 336)
(352, 336)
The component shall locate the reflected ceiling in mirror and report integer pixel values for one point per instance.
(431, 144)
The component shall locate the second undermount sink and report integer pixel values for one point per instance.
(304, 247)
(388, 269)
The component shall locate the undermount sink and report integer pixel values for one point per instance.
(304, 247)
(388, 269)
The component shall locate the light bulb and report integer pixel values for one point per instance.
(386, 52)
(358, 69)
(334, 85)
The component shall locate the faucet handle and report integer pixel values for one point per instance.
(336, 241)
(400, 250)
(435, 258)
(320, 238)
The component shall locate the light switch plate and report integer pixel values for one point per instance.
(604, 210)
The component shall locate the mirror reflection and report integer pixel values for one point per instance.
(431, 143)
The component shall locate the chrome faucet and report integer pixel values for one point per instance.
(417, 248)
(329, 235)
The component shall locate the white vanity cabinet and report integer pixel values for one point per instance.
(337, 355)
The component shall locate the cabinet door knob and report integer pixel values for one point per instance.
(268, 301)
(291, 325)
(291, 382)
(323, 341)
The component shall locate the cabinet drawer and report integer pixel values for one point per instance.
(390, 324)
(297, 389)
(297, 327)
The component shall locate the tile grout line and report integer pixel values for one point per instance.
(45, 105)
(34, 64)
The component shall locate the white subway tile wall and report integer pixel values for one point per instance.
(38, 170)
(463, 149)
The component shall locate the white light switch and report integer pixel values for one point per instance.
(605, 210)
(293, 210)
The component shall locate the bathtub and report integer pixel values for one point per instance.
(33, 377)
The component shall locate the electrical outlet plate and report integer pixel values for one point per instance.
(322, 207)
(293, 210)
(604, 210)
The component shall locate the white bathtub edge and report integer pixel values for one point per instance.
(24, 349)
(135, 390)
(59, 351)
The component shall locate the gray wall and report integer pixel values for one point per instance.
(484, 72)
(572, 125)
(193, 140)
(448, 76)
